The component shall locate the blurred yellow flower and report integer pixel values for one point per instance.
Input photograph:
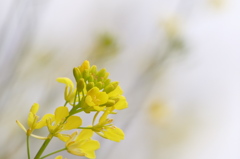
(82, 144)
(59, 157)
(95, 99)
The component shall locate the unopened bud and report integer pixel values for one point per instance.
(85, 66)
(107, 82)
(90, 85)
(101, 73)
(111, 87)
(99, 85)
(110, 103)
(93, 69)
(85, 74)
(80, 84)
(77, 73)
(90, 78)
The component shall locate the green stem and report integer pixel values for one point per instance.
(43, 147)
(95, 116)
(28, 147)
(53, 153)
(75, 97)
(65, 103)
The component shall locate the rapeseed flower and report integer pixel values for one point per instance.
(106, 129)
(95, 98)
(34, 122)
(60, 121)
(120, 101)
(81, 144)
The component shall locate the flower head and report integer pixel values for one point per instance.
(59, 121)
(95, 98)
(120, 101)
(82, 144)
(106, 129)
(33, 121)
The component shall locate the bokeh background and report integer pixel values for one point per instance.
(177, 61)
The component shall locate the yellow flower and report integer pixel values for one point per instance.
(120, 101)
(59, 157)
(95, 98)
(56, 123)
(33, 122)
(82, 144)
(106, 129)
(69, 92)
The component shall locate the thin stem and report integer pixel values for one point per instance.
(74, 103)
(65, 103)
(53, 153)
(28, 147)
(94, 118)
(43, 147)
(84, 127)
(78, 111)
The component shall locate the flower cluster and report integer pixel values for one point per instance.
(94, 93)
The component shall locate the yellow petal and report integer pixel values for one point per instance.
(61, 113)
(31, 119)
(103, 97)
(89, 147)
(94, 91)
(66, 81)
(63, 137)
(71, 138)
(59, 157)
(34, 108)
(121, 104)
(84, 134)
(117, 91)
(89, 101)
(114, 134)
(43, 121)
(72, 122)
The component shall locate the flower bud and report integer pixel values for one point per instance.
(85, 66)
(101, 73)
(109, 88)
(93, 69)
(77, 73)
(107, 82)
(99, 85)
(90, 85)
(106, 75)
(85, 74)
(90, 78)
(110, 103)
(80, 84)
